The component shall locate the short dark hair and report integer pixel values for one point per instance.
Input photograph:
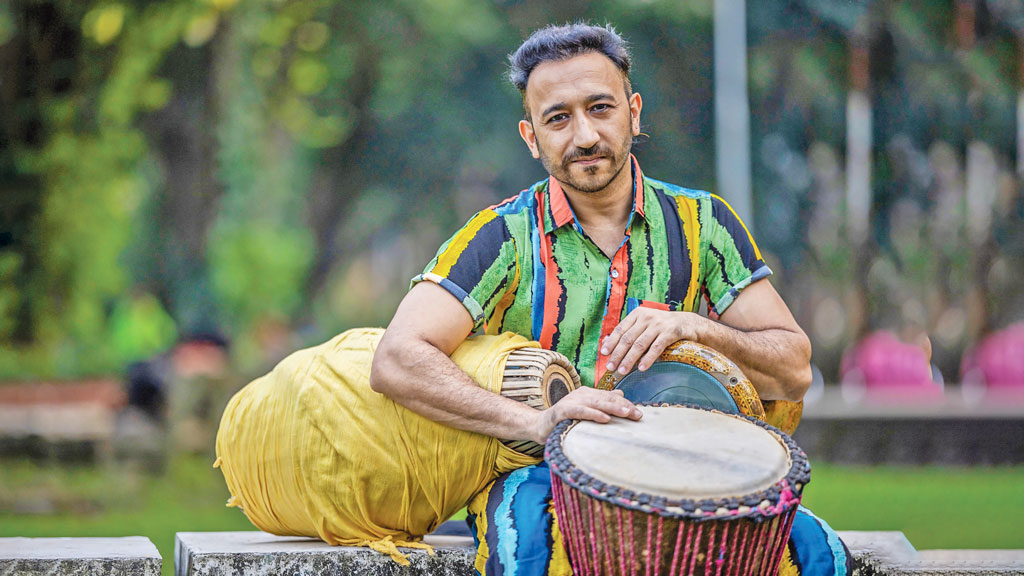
(554, 43)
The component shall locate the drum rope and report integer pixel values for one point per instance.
(604, 535)
(783, 541)
(675, 551)
(622, 542)
(693, 557)
(710, 549)
(721, 550)
(743, 531)
(759, 553)
(580, 537)
(650, 520)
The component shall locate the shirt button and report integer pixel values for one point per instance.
(615, 273)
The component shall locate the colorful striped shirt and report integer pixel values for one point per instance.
(527, 266)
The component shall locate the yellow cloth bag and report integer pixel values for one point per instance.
(311, 450)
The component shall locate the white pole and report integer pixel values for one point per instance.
(732, 108)
(858, 166)
(1020, 129)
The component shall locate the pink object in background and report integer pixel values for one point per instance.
(997, 362)
(883, 367)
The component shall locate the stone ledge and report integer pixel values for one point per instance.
(891, 554)
(129, 556)
(260, 554)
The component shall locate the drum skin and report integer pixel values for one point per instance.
(779, 413)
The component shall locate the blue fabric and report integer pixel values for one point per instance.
(518, 524)
(816, 548)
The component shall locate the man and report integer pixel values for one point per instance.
(598, 262)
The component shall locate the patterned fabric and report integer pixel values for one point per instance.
(514, 526)
(815, 548)
(526, 265)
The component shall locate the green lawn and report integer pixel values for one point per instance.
(189, 497)
(936, 508)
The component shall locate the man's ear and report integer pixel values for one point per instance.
(526, 133)
(636, 103)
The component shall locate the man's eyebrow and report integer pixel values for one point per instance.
(595, 97)
(588, 100)
(552, 108)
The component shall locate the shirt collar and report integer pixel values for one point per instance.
(560, 212)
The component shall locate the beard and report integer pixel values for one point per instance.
(587, 179)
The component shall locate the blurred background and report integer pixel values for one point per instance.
(192, 189)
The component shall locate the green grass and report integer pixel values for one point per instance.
(190, 497)
(935, 507)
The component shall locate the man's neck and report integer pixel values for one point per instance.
(605, 209)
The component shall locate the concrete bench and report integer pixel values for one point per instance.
(130, 556)
(257, 553)
(891, 554)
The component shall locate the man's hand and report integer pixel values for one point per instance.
(757, 332)
(645, 333)
(585, 404)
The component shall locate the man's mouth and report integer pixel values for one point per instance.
(588, 161)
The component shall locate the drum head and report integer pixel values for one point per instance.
(557, 384)
(680, 453)
(677, 383)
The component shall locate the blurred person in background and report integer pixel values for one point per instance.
(177, 395)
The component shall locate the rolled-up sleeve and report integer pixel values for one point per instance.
(731, 258)
(477, 265)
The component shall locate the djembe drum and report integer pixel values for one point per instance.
(692, 373)
(686, 490)
(537, 378)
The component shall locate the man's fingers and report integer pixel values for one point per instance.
(630, 339)
(593, 414)
(625, 356)
(657, 347)
(612, 403)
(617, 405)
(643, 344)
(612, 340)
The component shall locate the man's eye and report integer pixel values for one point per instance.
(558, 118)
(600, 107)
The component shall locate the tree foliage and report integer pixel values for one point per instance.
(184, 165)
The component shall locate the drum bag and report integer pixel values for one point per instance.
(311, 450)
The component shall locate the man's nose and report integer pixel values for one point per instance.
(584, 133)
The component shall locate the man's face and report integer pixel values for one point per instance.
(582, 122)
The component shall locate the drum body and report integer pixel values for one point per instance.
(686, 490)
(692, 373)
(537, 378)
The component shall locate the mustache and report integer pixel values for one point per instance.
(578, 153)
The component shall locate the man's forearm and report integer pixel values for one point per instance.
(423, 379)
(776, 360)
